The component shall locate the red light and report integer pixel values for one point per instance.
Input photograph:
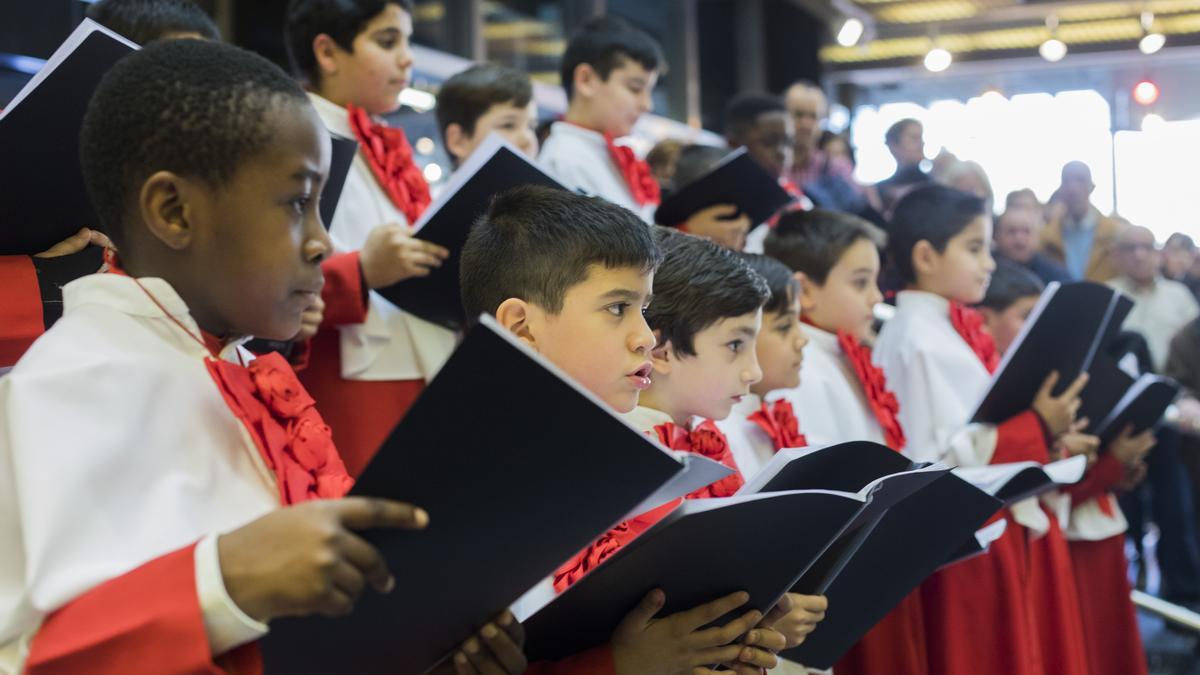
(1145, 92)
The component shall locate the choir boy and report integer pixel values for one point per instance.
(939, 359)
(842, 396)
(578, 278)
(371, 360)
(483, 99)
(204, 163)
(1096, 527)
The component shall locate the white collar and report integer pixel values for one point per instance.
(645, 419)
(576, 131)
(122, 294)
(923, 302)
(335, 117)
(821, 339)
(746, 406)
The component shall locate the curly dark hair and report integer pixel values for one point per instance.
(145, 21)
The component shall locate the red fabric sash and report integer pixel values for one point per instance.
(391, 160)
(707, 440)
(874, 383)
(780, 424)
(968, 323)
(638, 176)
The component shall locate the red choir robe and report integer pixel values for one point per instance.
(21, 319)
(1096, 538)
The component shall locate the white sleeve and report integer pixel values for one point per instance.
(225, 623)
(934, 416)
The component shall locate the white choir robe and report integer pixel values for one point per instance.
(579, 159)
(939, 381)
(830, 402)
(392, 344)
(117, 447)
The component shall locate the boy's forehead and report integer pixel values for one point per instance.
(630, 67)
(601, 279)
(393, 16)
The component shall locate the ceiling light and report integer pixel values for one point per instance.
(1053, 50)
(1152, 42)
(850, 33)
(937, 60)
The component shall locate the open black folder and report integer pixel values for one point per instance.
(512, 492)
(1063, 333)
(342, 157)
(869, 571)
(737, 179)
(1140, 407)
(1017, 481)
(44, 199)
(758, 543)
(494, 167)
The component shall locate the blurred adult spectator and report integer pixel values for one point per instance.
(1180, 262)
(969, 177)
(1161, 306)
(1076, 234)
(833, 186)
(906, 141)
(808, 107)
(1016, 233)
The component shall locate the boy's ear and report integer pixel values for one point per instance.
(925, 258)
(585, 79)
(807, 299)
(660, 356)
(162, 204)
(325, 51)
(458, 143)
(514, 316)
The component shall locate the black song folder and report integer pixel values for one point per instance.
(494, 167)
(737, 180)
(512, 492)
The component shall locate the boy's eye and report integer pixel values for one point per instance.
(300, 204)
(618, 309)
(860, 284)
(735, 346)
(386, 42)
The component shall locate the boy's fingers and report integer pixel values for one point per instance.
(507, 652)
(336, 603)
(462, 666)
(770, 640)
(705, 657)
(481, 658)
(507, 622)
(365, 513)
(723, 635)
(641, 615)
(811, 603)
(348, 579)
(1048, 384)
(711, 611)
(757, 657)
(779, 611)
(1077, 386)
(367, 559)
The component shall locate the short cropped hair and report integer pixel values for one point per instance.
(341, 20)
(742, 112)
(780, 280)
(145, 21)
(468, 95)
(894, 132)
(194, 107)
(1010, 282)
(536, 243)
(933, 213)
(698, 284)
(696, 160)
(605, 43)
(814, 241)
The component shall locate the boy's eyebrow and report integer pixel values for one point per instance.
(746, 330)
(307, 174)
(622, 294)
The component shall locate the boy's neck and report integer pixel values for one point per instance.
(578, 115)
(654, 399)
(333, 96)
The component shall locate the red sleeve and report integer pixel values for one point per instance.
(595, 661)
(20, 307)
(1021, 439)
(345, 292)
(148, 619)
(1104, 474)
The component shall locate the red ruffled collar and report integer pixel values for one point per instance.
(968, 322)
(779, 422)
(883, 402)
(707, 440)
(391, 160)
(638, 176)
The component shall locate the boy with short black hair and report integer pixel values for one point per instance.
(145, 21)
(203, 162)
(609, 71)
(939, 360)
(577, 280)
(842, 396)
(371, 360)
(482, 99)
(1011, 295)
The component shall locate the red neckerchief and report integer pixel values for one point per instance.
(871, 378)
(968, 323)
(707, 440)
(280, 416)
(780, 424)
(797, 203)
(391, 160)
(636, 172)
(609, 543)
